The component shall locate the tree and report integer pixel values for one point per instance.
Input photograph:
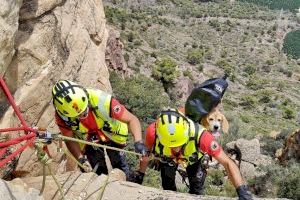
(139, 95)
(165, 71)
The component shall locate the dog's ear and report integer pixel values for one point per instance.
(225, 124)
(204, 122)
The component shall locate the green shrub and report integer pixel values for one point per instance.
(216, 185)
(285, 71)
(290, 184)
(137, 43)
(223, 64)
(194, 45)
(223, 53)
(188, 73)
(227, 67)
(278, 181)
(286, 102)
(270, 145)
(137, 63)
(265, 95)
(289, 113)
(153, 55)
(165, 71)
(248, 101)
(195, 56)
(117, 16)
(250, 69)
(270, 62)
(200, 67)
(281, 85)
(245, 118)
(255, 83)
(131, 36)
(152, 178)
(126, 57)
(235, 132)
(139, 95)
(215, 24)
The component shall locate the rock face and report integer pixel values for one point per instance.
(182, 88)
(9, 16)
(76, 185)
(17, 190)
(114, 53)
(55, 39)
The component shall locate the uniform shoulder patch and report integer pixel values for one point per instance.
(117, 109)
(214, 145)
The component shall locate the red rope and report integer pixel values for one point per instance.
(3, 130)
(17, 140)
(29, 137)
(15, 153)
(3, 151)
(12, 102)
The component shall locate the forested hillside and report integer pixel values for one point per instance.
(166, 41)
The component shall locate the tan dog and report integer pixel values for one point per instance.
(216, 122)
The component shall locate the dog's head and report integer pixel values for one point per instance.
(216, 122)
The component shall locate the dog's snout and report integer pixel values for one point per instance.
(216, 127)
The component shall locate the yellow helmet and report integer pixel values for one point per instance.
(172, 128)
(69, 98)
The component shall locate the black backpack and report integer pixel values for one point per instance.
(205, 97)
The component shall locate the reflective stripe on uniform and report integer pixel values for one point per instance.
(100, 103)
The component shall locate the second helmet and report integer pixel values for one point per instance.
(172, 129)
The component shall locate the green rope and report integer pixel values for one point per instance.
(65, 138)
(57, 183)
(95, 144)
(107, 162)
(44, 180)
(44, 159)
(94, 192)
(103, 188)
(62, 186)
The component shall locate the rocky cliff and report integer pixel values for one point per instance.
(79, 186)
(42, 42)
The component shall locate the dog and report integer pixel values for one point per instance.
(215, 122)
